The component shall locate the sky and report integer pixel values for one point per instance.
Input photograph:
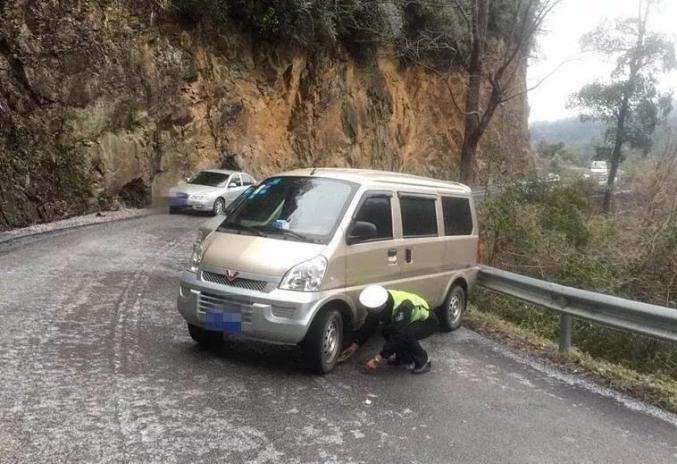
(560, 42)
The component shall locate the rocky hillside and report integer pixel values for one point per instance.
(106, 101)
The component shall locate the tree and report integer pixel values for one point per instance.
(629, 104)
(490, 40)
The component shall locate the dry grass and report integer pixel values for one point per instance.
(658, 390)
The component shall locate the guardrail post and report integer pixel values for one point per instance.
(565, 325)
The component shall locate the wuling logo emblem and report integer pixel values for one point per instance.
(231, 275)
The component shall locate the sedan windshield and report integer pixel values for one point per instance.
(292, 208)
(211, 179)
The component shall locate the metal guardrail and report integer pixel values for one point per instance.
(632, 316)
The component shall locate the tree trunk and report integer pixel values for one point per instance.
(615, 155)
(472, 132)
(470, 139)
(468, 155)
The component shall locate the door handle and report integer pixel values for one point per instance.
(407, 255)
(392, 256)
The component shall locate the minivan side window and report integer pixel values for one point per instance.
(419, 217)
(377, 210)
(457, 216)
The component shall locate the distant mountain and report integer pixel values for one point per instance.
(581, 137)
(571, 131)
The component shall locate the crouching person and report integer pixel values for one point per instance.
(405, 318)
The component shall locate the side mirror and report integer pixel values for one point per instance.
(361, 232)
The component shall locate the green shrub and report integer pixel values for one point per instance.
(421, 30)
(549, 231)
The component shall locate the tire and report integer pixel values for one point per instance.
(450, 314)
(203, 336)
(323, 341)
(219, 206)
(173, 210)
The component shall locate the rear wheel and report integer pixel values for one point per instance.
(323, 341)
(451, 313)
(173, 209)
(219, 206)
(203, 336)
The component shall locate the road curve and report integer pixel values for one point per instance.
(96, 366)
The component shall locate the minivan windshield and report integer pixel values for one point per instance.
(292, 208)
(211, 179)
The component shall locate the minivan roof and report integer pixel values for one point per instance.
(363, 176)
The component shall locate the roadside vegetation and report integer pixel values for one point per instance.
(556, 231)
(657, 389)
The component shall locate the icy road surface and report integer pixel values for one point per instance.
(96, 365)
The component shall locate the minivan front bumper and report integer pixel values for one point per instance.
(278, 316)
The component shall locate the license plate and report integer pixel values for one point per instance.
(178, 202)
(224, 322)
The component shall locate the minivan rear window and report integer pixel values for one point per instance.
(457, 216)
(419, 217)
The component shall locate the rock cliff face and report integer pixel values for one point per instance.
(102, 101)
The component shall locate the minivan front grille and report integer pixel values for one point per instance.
(258, 285)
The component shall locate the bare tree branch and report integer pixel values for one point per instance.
(540, 81)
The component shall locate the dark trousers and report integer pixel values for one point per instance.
(404, 342)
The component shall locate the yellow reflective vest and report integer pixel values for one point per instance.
(421, 310)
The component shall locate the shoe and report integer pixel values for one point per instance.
(423, 369)
(397, 362)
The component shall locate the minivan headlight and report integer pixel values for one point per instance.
(196, 257)
(305, 277)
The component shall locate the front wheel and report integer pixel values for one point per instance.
(323, 341)
(451, 312)
(219, 207)
(204, 336)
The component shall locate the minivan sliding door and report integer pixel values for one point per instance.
(423, 248)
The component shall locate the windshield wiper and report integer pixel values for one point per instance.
(292, 234)
(240, 227)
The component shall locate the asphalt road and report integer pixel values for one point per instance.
(96, 366)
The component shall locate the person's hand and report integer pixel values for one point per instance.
(373, 363)
(348, 353)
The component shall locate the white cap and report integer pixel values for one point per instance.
(373, 297)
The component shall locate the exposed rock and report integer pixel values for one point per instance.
(101, 100)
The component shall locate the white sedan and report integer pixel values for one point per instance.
(210, 190)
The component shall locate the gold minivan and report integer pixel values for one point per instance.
(287, 263)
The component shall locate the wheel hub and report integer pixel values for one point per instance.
(330, 341)
(454, 308)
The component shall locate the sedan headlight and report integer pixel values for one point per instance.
(196, 257)
(305, 277)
